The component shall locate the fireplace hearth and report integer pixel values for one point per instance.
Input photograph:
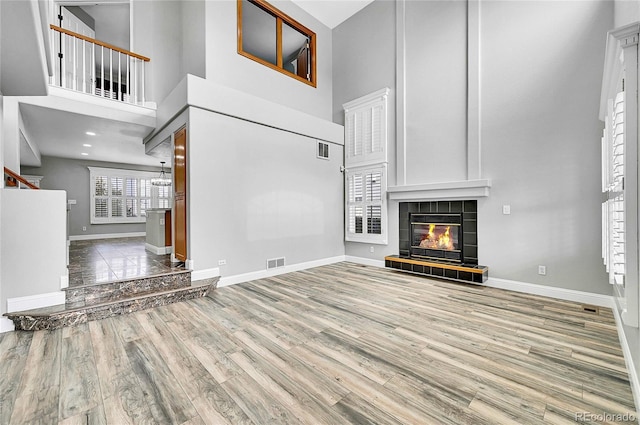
(439, 238)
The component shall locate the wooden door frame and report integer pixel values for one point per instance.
(180, 200)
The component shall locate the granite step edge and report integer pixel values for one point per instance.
(129, 279)
(77, 315)
(112, 291)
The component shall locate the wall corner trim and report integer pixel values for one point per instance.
(551, 291)
(35, 301)
(106, 236)
(261, 274)
(205, 274)
(364, 261)
(628, 359)
(6, 325)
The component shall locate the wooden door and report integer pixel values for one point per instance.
(180, 195)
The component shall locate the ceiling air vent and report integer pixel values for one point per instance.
(323, 150)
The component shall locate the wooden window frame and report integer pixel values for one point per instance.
(280, 18)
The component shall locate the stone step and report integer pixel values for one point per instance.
(98, 293)
(63, 315)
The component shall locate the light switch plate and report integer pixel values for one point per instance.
(506, 209)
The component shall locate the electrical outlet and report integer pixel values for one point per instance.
(222, 262)
(506, 209)
(371, 249)
(84, 228)
(542, 270)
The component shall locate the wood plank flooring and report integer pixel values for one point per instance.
(335, 344)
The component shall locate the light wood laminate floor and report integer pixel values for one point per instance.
(331, 345)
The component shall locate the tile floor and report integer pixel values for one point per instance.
(107, 260)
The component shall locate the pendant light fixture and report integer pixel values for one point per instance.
(162, 179)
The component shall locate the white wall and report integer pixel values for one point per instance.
(256, 192)
(193, 38)
(225, 66)
(33, 244)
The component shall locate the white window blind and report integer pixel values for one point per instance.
(365, 212)
(124, 196)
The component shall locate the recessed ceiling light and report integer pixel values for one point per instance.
(84, 154)
(90, 133)
(86, 145)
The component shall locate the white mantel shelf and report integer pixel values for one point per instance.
(453, 191)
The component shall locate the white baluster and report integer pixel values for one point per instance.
(118, 96)
(128, 79)
(102, 71)
(75, 63)
(84, 66)
(135, 79)
(142, 63)
(110, 73)
(93, 69)
(63, 65)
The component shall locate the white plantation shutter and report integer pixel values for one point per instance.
(366, 130)
(366, 210)
(613, 150)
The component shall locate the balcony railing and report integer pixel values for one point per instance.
(91, 66)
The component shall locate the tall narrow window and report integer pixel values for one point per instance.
(270, 37)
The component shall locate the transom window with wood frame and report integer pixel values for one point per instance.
(270, 37)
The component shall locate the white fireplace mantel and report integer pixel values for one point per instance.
(445, 191)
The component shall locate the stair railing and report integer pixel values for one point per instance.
(13, 178)
(91, 66)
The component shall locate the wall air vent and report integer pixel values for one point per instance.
(275, 263)
(323, 150)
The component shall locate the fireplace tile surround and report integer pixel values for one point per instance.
(467, 270)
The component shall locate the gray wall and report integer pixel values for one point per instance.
(541, 141)
(157, 34)
(257, 192)
(72, 176)
(541, 76)
(436, 78)
(364, 48)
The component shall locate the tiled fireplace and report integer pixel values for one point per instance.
(440, 239)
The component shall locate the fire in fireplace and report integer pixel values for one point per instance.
(436, 236)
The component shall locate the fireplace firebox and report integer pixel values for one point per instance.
(436, 236)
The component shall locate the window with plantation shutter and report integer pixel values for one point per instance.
(366, 164)
(365, 212)
(124, 196)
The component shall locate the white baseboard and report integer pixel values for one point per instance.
(365, 261)
(628, 359)
(551, 291)
(35, 301)
(158, 250)
(246, 277)
(106, 236)
(204, 274)
(6, 325)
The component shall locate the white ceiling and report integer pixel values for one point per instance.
(332, 12)
(62, 134)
